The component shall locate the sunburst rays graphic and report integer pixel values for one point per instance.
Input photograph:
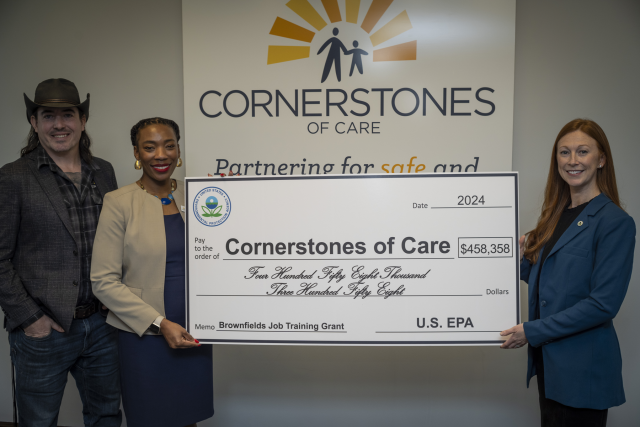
(396, 26)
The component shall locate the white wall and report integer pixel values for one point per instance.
(575, 58)
(127, 55)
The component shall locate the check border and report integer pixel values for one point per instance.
(371, 176)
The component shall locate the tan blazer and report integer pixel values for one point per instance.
(129, 255)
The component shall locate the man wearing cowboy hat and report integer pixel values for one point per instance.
(52, 198)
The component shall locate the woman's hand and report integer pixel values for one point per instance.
(517, 338)
(176, 335)
(521, 243)
(230, 174)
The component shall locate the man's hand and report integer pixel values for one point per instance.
(42, 327)
(176, 335)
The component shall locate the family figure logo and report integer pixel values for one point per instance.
(334, 56)
(336, 48)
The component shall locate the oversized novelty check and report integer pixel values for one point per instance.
(426, 259)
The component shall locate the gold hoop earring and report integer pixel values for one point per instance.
(179, 162)
(137, 165)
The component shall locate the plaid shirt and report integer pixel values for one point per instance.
(84, 208)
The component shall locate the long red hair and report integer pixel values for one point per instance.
(557, 195)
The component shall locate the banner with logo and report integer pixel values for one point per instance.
(313, 87)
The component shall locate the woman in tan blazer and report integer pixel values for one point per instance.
(138, 272)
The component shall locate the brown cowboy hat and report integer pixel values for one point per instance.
(57, 93)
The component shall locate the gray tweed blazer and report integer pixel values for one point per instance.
(38, 267)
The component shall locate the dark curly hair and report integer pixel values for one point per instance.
(135, 130)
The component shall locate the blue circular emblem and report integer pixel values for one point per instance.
(211, 202)
(211, 206)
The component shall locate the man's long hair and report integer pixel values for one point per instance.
(85, 143)
(557, 194)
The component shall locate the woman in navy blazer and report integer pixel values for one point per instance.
(577, 262)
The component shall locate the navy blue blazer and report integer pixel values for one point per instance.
(582, 282)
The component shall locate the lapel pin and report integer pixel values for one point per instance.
(182, 208)
(580, 223)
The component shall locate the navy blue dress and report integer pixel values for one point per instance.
(163, 387)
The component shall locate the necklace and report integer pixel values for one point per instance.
(165, 200)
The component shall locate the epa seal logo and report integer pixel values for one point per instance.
(212, 206)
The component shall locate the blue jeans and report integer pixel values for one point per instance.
(89, 350)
